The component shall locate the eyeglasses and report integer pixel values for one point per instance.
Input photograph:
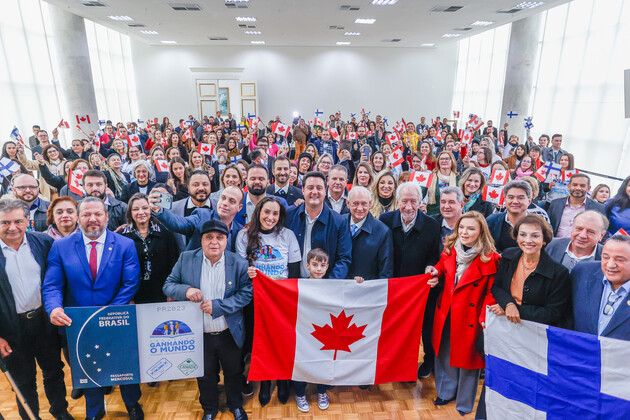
(26, 187)
(612, 299)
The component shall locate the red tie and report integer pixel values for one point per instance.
(93, 260)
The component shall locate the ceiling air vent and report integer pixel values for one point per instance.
(236, 4)
(447, 9)
(92, 3)
(136, 25)
(217, 38)
(392, 40)
(509, 10)
(346, 7)
(246, 26)
(335, 27)
(462, 29)
(185, 7)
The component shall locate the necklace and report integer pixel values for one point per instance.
(531, 267)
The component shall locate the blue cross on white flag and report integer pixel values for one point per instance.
(534, 371)
(8, 167)
(318, 112)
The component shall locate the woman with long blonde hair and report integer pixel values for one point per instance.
(466, 273)
(384, 193)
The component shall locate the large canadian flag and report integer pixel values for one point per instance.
(338, 332)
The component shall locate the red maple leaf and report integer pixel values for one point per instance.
(493, 194)
(421, 178)
(340, 335)
(499, 176)
(205, 148)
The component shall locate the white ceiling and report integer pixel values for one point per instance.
(302, 22)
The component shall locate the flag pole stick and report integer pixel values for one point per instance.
(27, 408)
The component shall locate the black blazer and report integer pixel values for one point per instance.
(130, 189)
(546, 292)
(40, 245)
(294, 194)
(556, 210)
(372, 250)
(414, 250)
(484, 207)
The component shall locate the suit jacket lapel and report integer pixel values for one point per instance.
(621, 315)
(229, 281)
(80, 247)
(108, 247)
(196, 268)
(596, 288)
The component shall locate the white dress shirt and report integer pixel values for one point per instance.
(307, 242)
(336, 205)
(99, 248)
(212, 286)
(24, 275)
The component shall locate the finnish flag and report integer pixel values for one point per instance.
(7, 167)
(534, 371)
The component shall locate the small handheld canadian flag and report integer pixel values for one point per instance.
(133, 140)
(318, 122)
(352, 135)
(455, 114)
(63, 124)
(423, 178)
(499, 177)
(281, 129)
(185, 124)
(566, 175)
(207, 127)
(475, 122)
(83, 119)
(467, 136)
(161, 165)
(399, 126)
(187, 134)
(621, 232)
(75, 183)
(396, 157)
(493, 194)
(164, 141)
(206, 149)
(392, 138)
(334, 133)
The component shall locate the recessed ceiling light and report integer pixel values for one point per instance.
(352, 33)
(168, 42)
(482, 23)
(120, 18)
(258, 42)
(450, 35)
(384, 2)
(365, 21)
(427, 45)
(245, 19)
(253, 33)
(149, 32)
(237, 1)
(343, 43)
(528, 4)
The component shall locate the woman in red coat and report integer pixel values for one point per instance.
(466, 272)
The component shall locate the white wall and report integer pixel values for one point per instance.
(395, 82)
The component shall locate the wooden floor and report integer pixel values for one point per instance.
(177, 400)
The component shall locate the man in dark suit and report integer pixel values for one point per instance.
(518, 197)
(563, 210)
(583, 245)
(199, 186)
(76, 263)
(337, 193)
(555, 152)
(95, 184)
(451, 207)
(32, 140)
(26, 188)
(601, 292)
(416, 245)
(26, 335)
(218, 280)
(317, 226)
(257, 182)
(281, 188)
(372, 243)
(230, 203)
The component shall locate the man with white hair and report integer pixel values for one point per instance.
(589, 227)
(372, 243)
(416, 245)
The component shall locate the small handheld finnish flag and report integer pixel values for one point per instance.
(8, 167)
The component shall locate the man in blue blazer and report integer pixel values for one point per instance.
(281, 187)
(218, 280)
(26, 335)
(317, 226)
(229, 204)
(94, 267)
(601, 292)
(372, 243)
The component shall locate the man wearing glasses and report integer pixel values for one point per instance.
(26, 188)
(44, 140)
(601, 292)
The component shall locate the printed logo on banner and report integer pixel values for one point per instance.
(172, 336)
(159, 368)
(187, 367)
